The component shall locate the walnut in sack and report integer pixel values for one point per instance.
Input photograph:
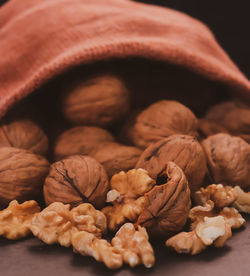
(22, 174)
(24, 134)
(183, 150)
(57, 223)
(80, 140)
(161, 207)
(232, 115)
(116, 157)
(100, 101)
(75, 180)
(15, 220)
(160, 120)
(228, 159)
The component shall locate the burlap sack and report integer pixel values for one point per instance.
(42, 38)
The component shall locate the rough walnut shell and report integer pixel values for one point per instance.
(184, 150)
(22, 174)
(80, 140)
(98, 101)
(167, 205)
(75, 180)
(233, 116)
(160, 120)
(228, 159)
(24, 134)
(116, 157)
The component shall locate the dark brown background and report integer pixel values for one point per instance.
(230, 21)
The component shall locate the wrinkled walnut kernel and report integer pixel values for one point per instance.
(15, 220)
(242, 202)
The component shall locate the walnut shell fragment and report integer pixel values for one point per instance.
(228, 159)
(57, 223)
(100, 101)
(80, 140)
(162, 209)
(160, 120)
(116, 157)
(15, 220)
(75, 180)
(183, 150)
(24, 134)
(232, 115)
(22, 174)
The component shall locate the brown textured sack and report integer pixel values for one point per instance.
(41, 38)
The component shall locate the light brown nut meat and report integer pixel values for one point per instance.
(15, 220)
(75, 180)
(80, 140)
(162, 208)
(232, 217)
(186, 242)
(221, 195)
(184, 150)
(100, 101)
(234, 116)
(160, 120)
(24, 134)
(88, 245)
(56, 223)
(228, 159)
(242, 202)
(134, 246)
(116, 157)
(22, 174)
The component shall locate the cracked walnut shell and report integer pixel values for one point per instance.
(24, 134)
(161, 207)
(100, 101)
(22, 174)
(183, 150)
(160, 120)
(228, 159)
(80, 140)
(75, 180)
(15, 220)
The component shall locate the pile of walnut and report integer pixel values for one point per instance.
(136, 184)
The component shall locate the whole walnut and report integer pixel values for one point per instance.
(116, 157)
(22, 174)
(80, 140)
(75, 180)
(232, 115)
(160, 120)
(24, 134)
(184, 150)
(161, 206)
(99, 101)
(228, 159)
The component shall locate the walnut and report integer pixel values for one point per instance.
(134, 246)
(242, 201)
(100, 100)
(80, 140)
(75, 180)
(221, 195)
(116, 157)
(228, 159)
(24, 134)
(232, 115)
(160, 120)
(15, 220)
(88, 244)
(161, 208)
(57, 223)
(208, 127)
(22, 174)
(184, 150)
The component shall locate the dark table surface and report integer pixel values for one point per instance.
(32, 257)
